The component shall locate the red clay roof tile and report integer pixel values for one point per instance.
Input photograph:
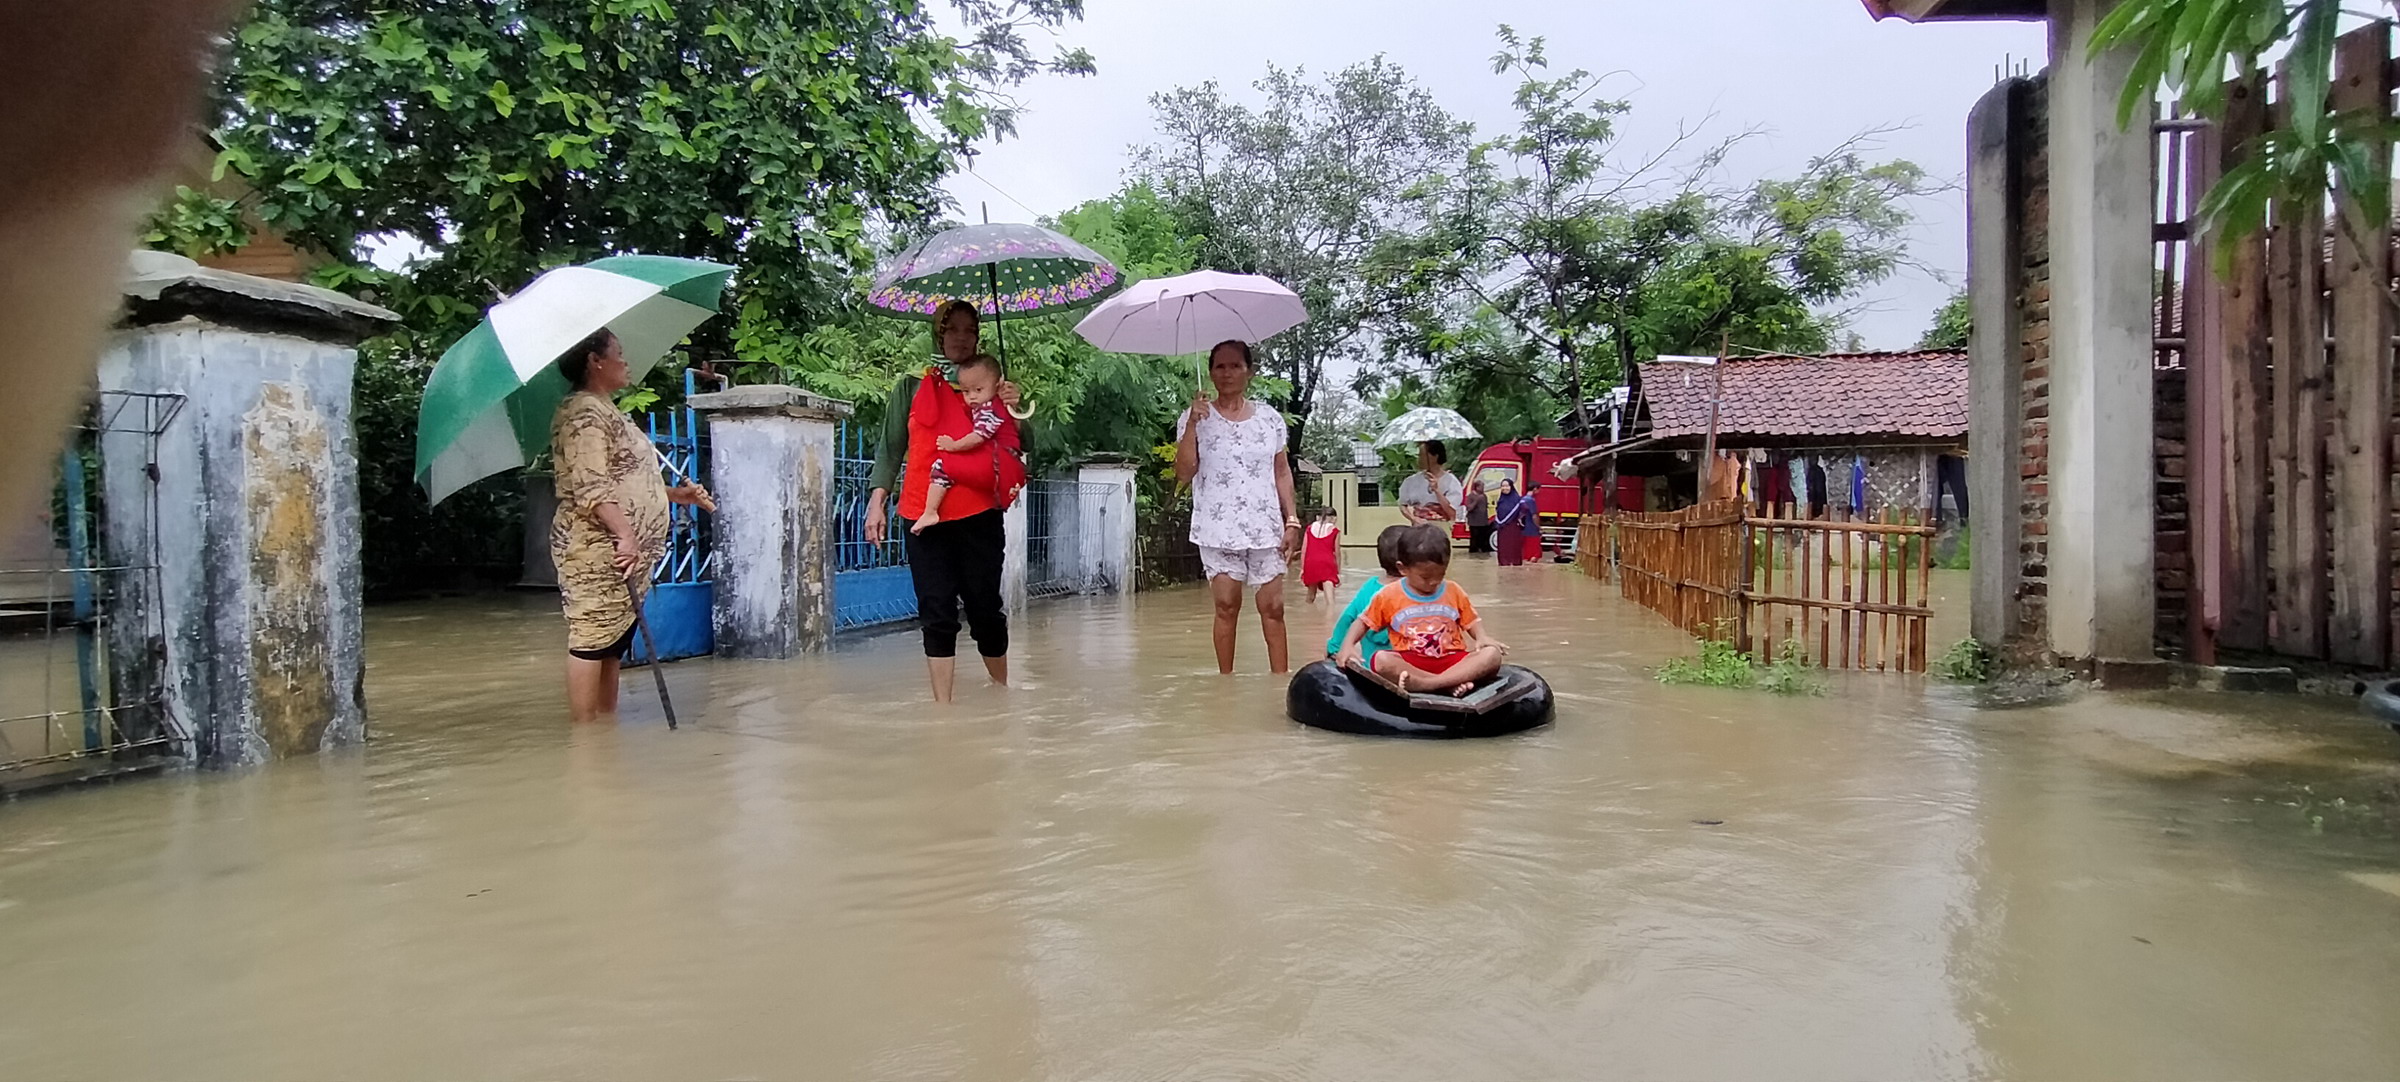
(1918, 393)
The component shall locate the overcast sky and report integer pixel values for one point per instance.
(1811, 72)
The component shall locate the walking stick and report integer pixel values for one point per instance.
(656, 672)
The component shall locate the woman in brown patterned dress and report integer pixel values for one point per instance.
(612, 520)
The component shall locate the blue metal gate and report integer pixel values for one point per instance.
(871, 583)
(678, 608)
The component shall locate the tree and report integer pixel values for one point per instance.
(1302, 189)
(1951, 325)
(507, 136)
(510, 135)
(1341, 417)
(1589, 265)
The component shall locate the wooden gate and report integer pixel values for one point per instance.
(2285, 361)
(1840, 592)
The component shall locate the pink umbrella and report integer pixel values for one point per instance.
(1191, 312)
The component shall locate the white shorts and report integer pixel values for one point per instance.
(1250, 567)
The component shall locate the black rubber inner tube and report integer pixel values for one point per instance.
(1325, 697)
(2382, 702)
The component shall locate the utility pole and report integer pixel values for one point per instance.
(1716, 397)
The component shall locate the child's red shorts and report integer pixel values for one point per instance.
(1432, 663)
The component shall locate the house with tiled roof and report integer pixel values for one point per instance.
(1856, 431)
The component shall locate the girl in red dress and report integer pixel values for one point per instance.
(1321, 558)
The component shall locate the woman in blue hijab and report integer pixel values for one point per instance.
(1515, 519)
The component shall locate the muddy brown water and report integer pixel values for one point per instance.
(1131, 868)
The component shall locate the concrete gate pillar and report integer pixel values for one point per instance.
(2102, 580)
(1015, 553)
(771, 469)
(256, 525)
(1998, 141)
(1108, 544)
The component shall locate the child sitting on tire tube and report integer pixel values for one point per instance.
(1387, 553)
(1438, 642)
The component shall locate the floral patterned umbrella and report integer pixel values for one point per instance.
(1005, 271)
(1426, 423)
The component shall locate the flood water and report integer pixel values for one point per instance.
(1131, 868)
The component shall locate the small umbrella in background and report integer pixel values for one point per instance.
(489, 402)
(1188, 313)
(1006, 271)
(1426, 423)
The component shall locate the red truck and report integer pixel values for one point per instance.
(1528, 463)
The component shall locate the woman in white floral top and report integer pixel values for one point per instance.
(1232, 452)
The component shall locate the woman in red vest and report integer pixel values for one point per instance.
(954, 564)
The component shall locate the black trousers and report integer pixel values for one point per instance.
(1479, 538)
(956, 566)
(1950, 478)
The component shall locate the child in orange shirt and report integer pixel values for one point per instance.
(1438, 642)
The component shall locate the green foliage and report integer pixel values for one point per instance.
(1719, 664)
(1966, 662)
(1790, 673)
(1302, 188)
(1951, 325)
(1089, 402)
(1341, 416)
(1542, 262)
(771, 135)
(2190, 48)
(790, 138)
(197, 224)
(1961, 558)
(473, 537)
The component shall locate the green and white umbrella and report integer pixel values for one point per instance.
(488, 405)
(1426, 423)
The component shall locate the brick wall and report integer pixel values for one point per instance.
(2032, 633)
(2171, 512)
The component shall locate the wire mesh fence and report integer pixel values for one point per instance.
(1165, 555)
(82, 676)
(1061, 546)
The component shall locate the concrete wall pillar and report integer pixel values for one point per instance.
(1996, 142)
(1013, 561)
(1108, 526)
(2102, 582)
(255, 526)
(771, 469)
